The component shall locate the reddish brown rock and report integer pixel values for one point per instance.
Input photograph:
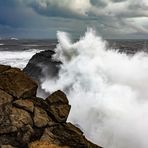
(40, 117)
(25, 104)
(20, 117)
(57, 97)
(29, 121)
(59, 106)
(5, 98)
(17, 84)
(7, 146)
(4, 68)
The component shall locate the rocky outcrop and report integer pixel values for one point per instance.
(29, 121)
(42, 64)
(14, 82)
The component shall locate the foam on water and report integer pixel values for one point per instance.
(17, 58)
(108, 90)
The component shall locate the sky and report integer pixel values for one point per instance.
(112, 19)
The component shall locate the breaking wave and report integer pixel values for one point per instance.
(17, 58)
(108, 90)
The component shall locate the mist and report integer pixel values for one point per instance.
(108, 90)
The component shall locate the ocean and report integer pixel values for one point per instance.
(17, 53)
(106, 82)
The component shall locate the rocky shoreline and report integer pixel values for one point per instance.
(27, 121)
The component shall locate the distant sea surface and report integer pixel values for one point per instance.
(17, 53)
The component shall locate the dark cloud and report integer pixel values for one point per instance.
(99, 3)
(109, 17)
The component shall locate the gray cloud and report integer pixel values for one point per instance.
(109, 17)
(105, 11)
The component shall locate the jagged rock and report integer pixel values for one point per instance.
(30, 121)
(66, 134)
(5, 98)
(59, 106)
(41, 65)
(20, 117)
(24, 104)
(40, 117)
(57, 97)
(4, 68)
(17, 84)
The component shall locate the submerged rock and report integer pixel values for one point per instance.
(29, 121)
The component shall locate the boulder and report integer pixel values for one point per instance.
(24, 134)
(24, 104)
(59, 106)
(41, 66)
(4, 68)
(5, 98)
(20, 117)
(29, 121)
(40, 117)
(17, 84)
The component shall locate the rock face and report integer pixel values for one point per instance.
(29, 121)
(40, 66)
(16, 83)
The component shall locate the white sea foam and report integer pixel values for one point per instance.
(17, 58)
(108, 91)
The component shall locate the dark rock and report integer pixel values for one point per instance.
(7, 146)
(4, 68)
(17, 84)
(24, 134)
(66, 134)
(42, 64)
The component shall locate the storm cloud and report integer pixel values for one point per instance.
(118, 18)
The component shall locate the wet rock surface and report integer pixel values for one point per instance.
(42, 64)
(29, 121)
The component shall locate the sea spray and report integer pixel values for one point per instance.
(17, 58)
(107, 90)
